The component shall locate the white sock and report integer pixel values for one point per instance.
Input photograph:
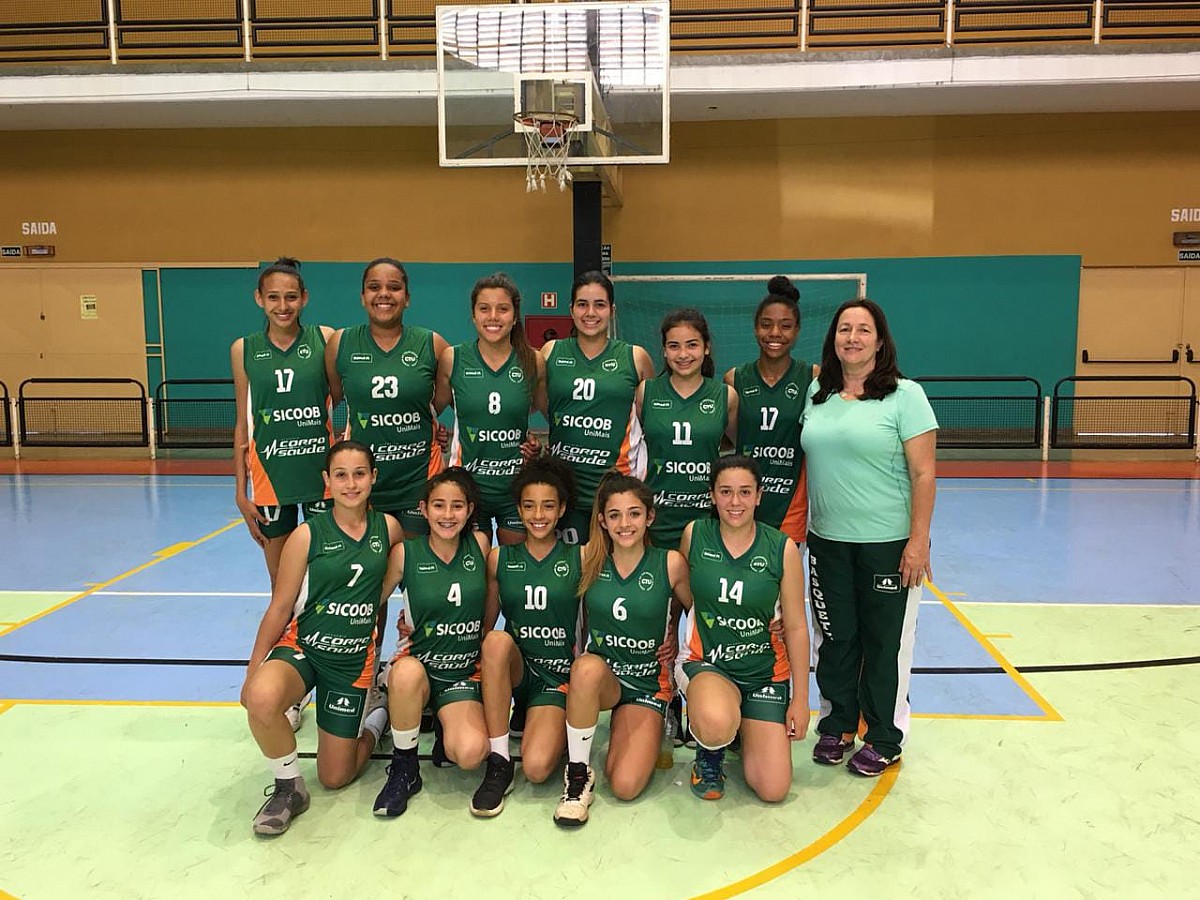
(579, 744)
(376, 722)
(500, 745)
(406, 739)
(286, 767)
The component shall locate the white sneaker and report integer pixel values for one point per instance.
(578, 790)
(293, 712)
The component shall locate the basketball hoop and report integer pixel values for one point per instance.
(548, 145)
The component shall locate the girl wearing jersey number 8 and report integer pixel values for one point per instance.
(632, 594)
(733, 668)
(320, 633)
(587, 397)
(491, 382)
(446, 612)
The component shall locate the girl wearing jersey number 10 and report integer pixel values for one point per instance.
(771, 394)
(320, 633)
(733, 668)
(282, 431)
(385, 370)
(684, 413)
(446, 613)
(632, 595)
(491, 382)
(537, 586)
(588, 397)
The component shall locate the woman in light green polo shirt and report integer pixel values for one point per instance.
(869, 437)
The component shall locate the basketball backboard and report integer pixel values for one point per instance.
(604, 63)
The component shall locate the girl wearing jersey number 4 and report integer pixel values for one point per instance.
(491, 382)
(684, 413)
(446, 613)
(771, 394)
(319, 633)
(588, 398)
(283, 431)
(733, 669)
(632, 594)
(537, 583)
(385, 369)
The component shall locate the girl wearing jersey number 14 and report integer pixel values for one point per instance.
(319, 632)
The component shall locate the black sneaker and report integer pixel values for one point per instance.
(438, 755)
(497, 783)
(427, 720)
(403, 781)
(516, 724)
(285, 800)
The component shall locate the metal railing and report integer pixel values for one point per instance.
(95, 415)
(187, 414)
(1112, 421)
(124, 31)
(6, 429)
(972, 417)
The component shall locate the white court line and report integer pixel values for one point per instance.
(1065, 603)
(181, 594)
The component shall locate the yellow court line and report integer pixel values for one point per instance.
(5, 895)
(982, 717)
(6, 706)
(996, 634)
(817, 847)
(1051, 713)
(160, 556)
(170, 703)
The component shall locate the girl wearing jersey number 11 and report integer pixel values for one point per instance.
(632, 595)
(733, 668)
(446, 613)
(319, 632)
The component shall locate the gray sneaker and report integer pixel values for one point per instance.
(286, 800)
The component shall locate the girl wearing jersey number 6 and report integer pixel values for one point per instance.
(733, 669)
(537, 585)
(684, 413)
(319, 632)
(283, 430)
(632, 594)
(446, 613)
(771, 394)
(588, 397)
(385, 370)
(490, 382)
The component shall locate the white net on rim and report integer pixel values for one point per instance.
(548, 145)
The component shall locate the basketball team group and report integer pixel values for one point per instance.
(647, 558)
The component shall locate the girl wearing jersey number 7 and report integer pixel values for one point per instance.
(320, 633)
(385, 369)
(733, 669)
(771, 394)
(446, 612)
(632, 595)
(491, 382)
(685, 413)
(588, 397)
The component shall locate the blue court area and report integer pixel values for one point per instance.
(173, 594)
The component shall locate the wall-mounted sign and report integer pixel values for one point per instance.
(39, 228)
(8, 252)
(88, 307)
(549, 300)
(606, 259)
(1189, 255)
(1186, 214)
(1186, 238)
(39, 249)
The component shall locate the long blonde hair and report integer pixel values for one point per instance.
(598, 549)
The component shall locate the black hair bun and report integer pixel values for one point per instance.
(781, 286)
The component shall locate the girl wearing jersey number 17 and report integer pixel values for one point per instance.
(320, 633)
(734, 669)
(632, 595)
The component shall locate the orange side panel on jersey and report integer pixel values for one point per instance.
(290, 637)
(795, 520)
(262, 492)
(366, 677)
(665, 689)
(622, 462)
(782, 671)
(695, 648)
(437, 461)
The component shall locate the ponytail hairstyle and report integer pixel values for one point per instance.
(882, 380)
(460, 478)
(734, 461)
(599, 545)
(386, 261)
(780, 290)
(285, 265)
(520, 342)
(694, 319)
(549, 470)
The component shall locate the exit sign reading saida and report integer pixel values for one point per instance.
(8, 252)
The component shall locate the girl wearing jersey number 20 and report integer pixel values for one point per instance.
(733, 668)
(632, 595)
(320, 633)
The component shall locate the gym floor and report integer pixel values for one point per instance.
(1056, 672)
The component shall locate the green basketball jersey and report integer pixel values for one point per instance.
(445, 607)
(338, 605)
(683, 437)
(768, 429)
(541, 607)
(627, 621)
(592, 425)
(288, 412)
(735, 600)
(491, 418)
(388, 396)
